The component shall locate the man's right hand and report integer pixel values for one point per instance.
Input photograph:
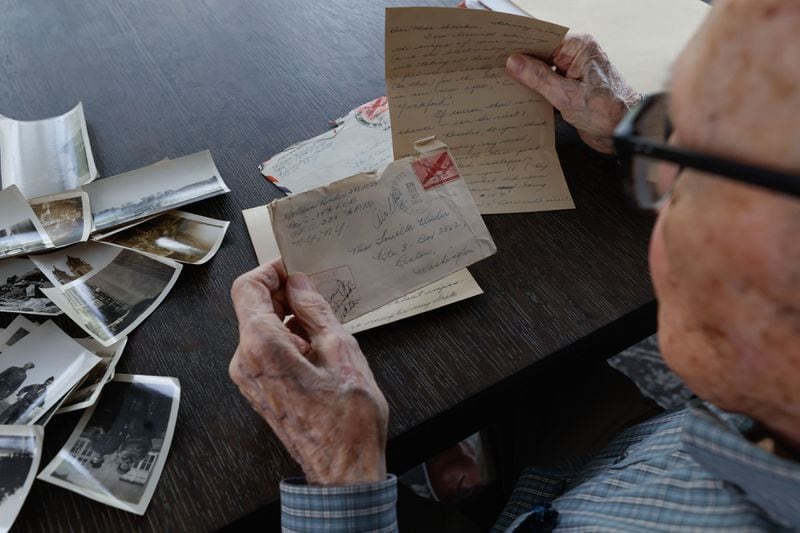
(586, 88)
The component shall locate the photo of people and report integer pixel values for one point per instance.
(66, 217)
(175, 235)
(110, 301)
(37, 371)
(21, 286)
(20, 452)
(117, 451)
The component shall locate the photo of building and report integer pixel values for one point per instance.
(115, 297)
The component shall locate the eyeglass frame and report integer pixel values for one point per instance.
(628, 144)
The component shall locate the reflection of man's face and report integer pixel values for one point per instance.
(724, 256)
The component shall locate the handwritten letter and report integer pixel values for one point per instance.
(369, 239)
(445, 76)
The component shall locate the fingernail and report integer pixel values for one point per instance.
(515, 64)
(300, 282)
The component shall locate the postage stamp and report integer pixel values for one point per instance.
(435, 170)
(374, 114)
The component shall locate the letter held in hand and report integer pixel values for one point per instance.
(372, 238)
(446, 76)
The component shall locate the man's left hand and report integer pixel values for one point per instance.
(308, 378)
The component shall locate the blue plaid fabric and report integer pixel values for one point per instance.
(686, 470)
(354, 508)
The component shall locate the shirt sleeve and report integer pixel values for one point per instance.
(352, 509)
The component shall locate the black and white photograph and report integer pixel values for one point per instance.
(66, 217)
(20, 453)
(157, 188)
(15, 332)
(37, 371)
(119, 447)
(47, 156)
(20, 230)
(176, 235)
(110, 301)
(68, 265)
(87, 392)
(21, 286)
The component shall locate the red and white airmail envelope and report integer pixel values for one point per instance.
(372, 238)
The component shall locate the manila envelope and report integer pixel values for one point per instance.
(371, 238)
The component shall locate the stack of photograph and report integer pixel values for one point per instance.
(105, 253)
(107, 250)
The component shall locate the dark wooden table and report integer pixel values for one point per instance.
(247, 78)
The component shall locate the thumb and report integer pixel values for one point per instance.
(538, 76)
(309, 307)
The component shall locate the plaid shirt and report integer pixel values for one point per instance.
(690, 469)
(355, 508)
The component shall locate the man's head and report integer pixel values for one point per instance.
(28, 366)
(49, 381)
(725, 257)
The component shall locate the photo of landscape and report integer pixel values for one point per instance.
(153, 189)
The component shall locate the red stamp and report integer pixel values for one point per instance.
(375, 113)
(435, 170)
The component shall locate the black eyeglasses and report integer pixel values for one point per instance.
(651, 164)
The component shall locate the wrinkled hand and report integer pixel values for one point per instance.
(586, 88)
(308, 378)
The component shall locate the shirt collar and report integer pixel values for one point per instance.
(716, 442)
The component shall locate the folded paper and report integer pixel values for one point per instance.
(372, 238)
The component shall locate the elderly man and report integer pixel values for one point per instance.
(725, 261)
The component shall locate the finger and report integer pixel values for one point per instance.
(538, 76)
(309, 307)
(253, 290)
(271, 349)
(295, 327)
(568, 51)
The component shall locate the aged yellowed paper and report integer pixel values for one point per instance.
(448, 290)
(445, 76)
(369, 239)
